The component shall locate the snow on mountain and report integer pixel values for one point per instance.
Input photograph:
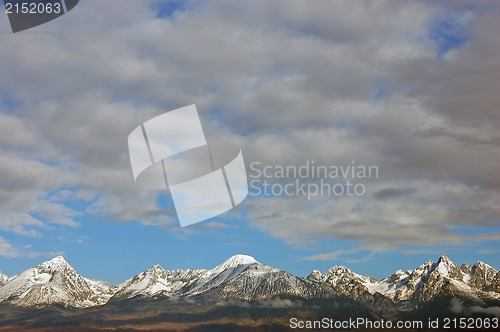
(51, 282)
(429, 279)
(157, 281)
(3, 279)
(483, 276)
(237, 260)
(343, 280)
(242, 277)
(239, 277)
(102, 289)
(402, 285)
(477, 282)
(315, 275)
(214, 277)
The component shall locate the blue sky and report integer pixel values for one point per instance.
(411, 89)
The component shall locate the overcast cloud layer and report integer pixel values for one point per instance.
(411, 87)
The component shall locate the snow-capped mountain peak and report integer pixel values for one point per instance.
(484, 277)
(54, 281)
(155, 269)
(447, 268)
(315, 275)
(230, 268)
(55, 264)
(242, 277)
(57, 260)
(157, 281)
(483, 265)
(3, 278)
(239, 259)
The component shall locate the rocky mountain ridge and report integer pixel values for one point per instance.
(242, 278)
(479, 282)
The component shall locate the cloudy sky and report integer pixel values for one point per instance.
(408, 86)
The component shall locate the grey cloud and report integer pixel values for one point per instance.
(389, 193)
(285, 81)
(6, 249)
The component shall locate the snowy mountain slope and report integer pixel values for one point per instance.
(484, 277)
(239, 277)
(214, 277)
(156, 281)
(51, 282)
(343, 280)
(102, 289)
(428, 280)
(3, 279)
(243, 278)
(421, 285)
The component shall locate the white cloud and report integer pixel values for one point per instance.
(296, 81)
(7, 250)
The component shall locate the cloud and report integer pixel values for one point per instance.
(324, 257)
(422, 218)
(415, 251)
(277, 303)
(458, 307)
(215, 225)
(7, 250)
(288, 82)
(490, 311)
(343, 255)
(10, 251)
(487, 251)
(489, 236)
(389, 193)
(20, 223)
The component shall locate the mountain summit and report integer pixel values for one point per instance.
(241, 277)
(478, 283)
(239, 259)
(51, 282)
(3, 279)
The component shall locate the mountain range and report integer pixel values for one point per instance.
(242, 278)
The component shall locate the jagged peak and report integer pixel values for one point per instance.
(156, 267)
(447, 268)
(55, 262)
(314, 275)
(445, 260)
(398, 276)
(338, 269)
(426, 265)
(482, 264)
(156, 281)
(153, 270)
(58, 259)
